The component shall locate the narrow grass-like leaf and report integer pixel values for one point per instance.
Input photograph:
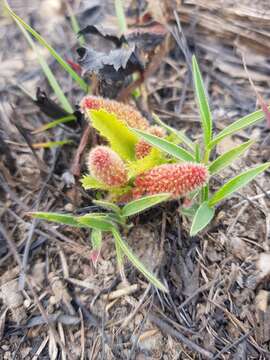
(94, 221)
(180, 135)
(137, 206)
(74, 24)
(107, 205)
(120, 14)
(228, 157)
(44, 43)
(205, 114)
(166, 146)
(120, 137)
(65, 219)
(47, 71)
(238, 125)
(51, 144)
(136, 262)
(237, 183)
(89, 183)
(202, 218)
(54, 123)
(197, 153)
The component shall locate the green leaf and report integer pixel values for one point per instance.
(136, 262)
(96, 239)
(120, 137)
(107, 205)
(238, 125)
(54, 123)
(197, 153)
(189, 211)
(139, 166)
(94, 221)
(89, 182)
(205, 114)
(237, 183)
(137, 206)
(180, 135)
(166, 146)
(120, 14)
(227, 158)
(44, 43)
(58, 218)
(202, 218)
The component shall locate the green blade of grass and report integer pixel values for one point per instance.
(54, 123)
(44, 43)
(202, 218)
(136, 262)
(137, 206)
(51, 144)
(227, 158)
(166, 146)
(120, 14)
(74, 24)
(238, 125)
(179, 134)
(47, 71)
(237, 183)
(205, 114)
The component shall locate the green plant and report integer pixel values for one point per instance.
(111, 221)
(142, 165)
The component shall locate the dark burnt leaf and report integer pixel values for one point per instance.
(48, 106)
(53, 110)
(107, 34)
(121, 60)
(147, 37)
(90, 60)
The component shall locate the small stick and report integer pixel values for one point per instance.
(166, 328)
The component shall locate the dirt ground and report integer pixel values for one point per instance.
(58, 305)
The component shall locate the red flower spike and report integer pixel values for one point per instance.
(142, 148)
(106, 166)
(123, 112)
(177, 179)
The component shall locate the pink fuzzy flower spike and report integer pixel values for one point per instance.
(123, 112)
(177, 179)
(106, 166)
(142, 148)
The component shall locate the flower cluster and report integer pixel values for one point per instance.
(123, 112)
(177, 179)
(142, 148)
(107, 167)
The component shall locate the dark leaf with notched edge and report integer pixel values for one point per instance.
(146, 37)
(121, 60)
(107, 34)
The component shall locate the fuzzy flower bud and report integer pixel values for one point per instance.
(123, 112)
(177, 179)
(142, 148)
(107, 167)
